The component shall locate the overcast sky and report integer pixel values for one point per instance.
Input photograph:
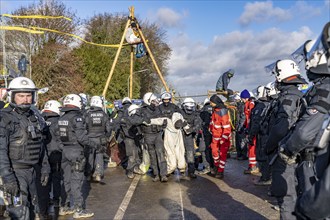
(210, 37)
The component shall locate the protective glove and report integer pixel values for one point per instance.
(11, 187)
(44, 179)
(146, 119)
(164, 125)
(178, 124)
(285, 156)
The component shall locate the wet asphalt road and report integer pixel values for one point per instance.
(234, 197)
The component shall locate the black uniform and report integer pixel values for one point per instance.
(21, 149)
(132, 134)
(167, 109)
(99, 130)
(283, 175)
(257, 131)
(205, 115)
(54, 149)
(73, 135)
(194, 123)
(154, 141)
(313, 171)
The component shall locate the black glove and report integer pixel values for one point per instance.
(11, 187)
(164, 125)
(146, 119)
(286, 157)
(44, 179)
(178, 124)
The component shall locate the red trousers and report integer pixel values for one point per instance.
(219, 153)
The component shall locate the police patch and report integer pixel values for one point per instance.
(79, 119)
(312, 111)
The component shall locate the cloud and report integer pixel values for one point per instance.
(194, 68)
(261, 12)
(169, 18)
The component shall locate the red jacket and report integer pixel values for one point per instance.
(248, 106)
(220, 124)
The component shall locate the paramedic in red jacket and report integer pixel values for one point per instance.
(221, 132)
(248, 106)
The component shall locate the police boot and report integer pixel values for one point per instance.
(82, 213)
(156, 178)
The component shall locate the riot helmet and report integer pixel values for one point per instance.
(189, 105)
(166, 98)
(132, 109)
(287, 71)
(150, 98)
(97, 101)
(22, 85)
(52, 106)
(73, 100)
(126, 100)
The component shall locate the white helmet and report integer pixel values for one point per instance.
(189, 105)
(285, 69)
(52, 105)
(22, 84)
(84, 98)
(73, 99)
(126, 100)
(206, 100)
(316, 58)
(271, 89)
(261, 92)
(149, 97)
(97, 101)
(132, 109)
(166, 95)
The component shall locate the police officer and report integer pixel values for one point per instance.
(131, 128)
(288, 78)
(256, 132)
(21, 148)
(51, 114)
(194, 123)
(99, 130)
(313, 187)
(167, 108)
(153, 137)
(73, 135)
(205, 115)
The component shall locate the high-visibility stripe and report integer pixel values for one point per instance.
(217, 126)
(225, 136)
(216, 139)
(223, 162)
(221, 166)
(252, 158)
(226, 126)
(252, 162)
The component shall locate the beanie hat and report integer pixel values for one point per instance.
(245, 94)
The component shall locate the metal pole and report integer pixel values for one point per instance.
(30, 56)
(153, 59)
(115, 60)
(3, 33)
(131, 72)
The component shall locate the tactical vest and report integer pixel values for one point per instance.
(167, 111)
(26, 141)
(66, 129)
(96, 123)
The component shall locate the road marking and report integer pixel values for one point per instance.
(177, 179)
(124, 204)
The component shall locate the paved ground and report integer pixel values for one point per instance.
(234, 197)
